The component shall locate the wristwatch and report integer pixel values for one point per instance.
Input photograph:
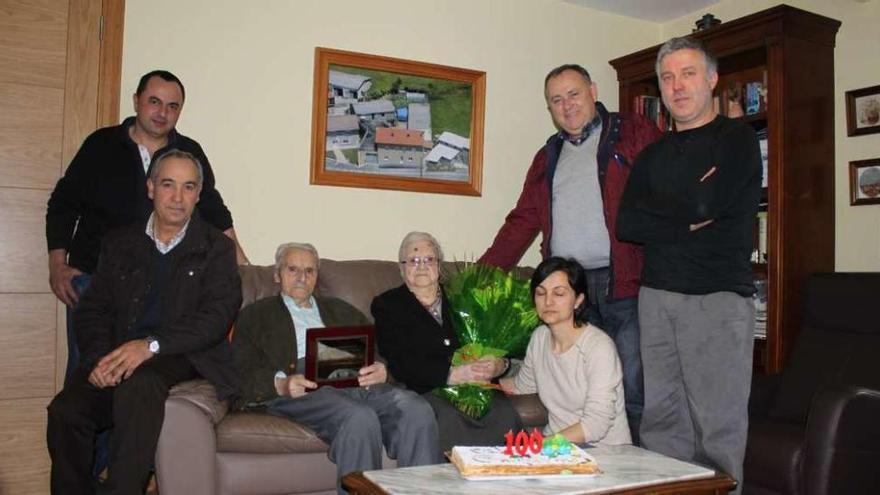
(153, 344)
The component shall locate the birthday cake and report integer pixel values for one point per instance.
(495, 461)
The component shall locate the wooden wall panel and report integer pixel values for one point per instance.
(27, 345)
(33, 42)
(24, 460)
(23, 259)
(81, 88)
(30, 135)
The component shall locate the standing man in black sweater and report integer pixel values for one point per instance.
(105, 187)
(691, 200)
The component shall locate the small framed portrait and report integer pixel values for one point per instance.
(864, 182)
(334, 355)
(863, 111)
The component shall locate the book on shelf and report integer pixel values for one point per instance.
(760, 299)
(765, 156)
(652, 108)
(762, 237)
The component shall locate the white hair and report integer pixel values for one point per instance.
(283, 249)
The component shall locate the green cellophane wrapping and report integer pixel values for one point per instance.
(493, 315)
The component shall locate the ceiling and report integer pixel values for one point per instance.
(649, 10)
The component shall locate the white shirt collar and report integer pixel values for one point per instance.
(161, 246)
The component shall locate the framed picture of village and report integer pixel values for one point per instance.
(386, 123)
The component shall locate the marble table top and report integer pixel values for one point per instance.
(622, 466)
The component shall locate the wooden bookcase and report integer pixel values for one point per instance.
(795, 49)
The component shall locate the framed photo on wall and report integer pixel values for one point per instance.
(863, 111)
(864, 182)
(387, 123)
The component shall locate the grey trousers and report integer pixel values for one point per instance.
(356, 423)
(697, 358)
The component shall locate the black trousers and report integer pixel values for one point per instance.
(135, 409)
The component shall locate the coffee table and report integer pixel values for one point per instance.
(625, 469)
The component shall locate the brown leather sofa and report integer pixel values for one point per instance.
(206, 449)
(815, 428)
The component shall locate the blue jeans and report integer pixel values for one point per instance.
(80, 283)
(620, 320)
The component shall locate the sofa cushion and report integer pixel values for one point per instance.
(261, 433)
(357, 282)
(774, 454)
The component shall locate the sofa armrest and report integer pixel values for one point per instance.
(186, 460)
(764, 388)
(842, 451)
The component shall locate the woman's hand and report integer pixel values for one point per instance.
(479, 371)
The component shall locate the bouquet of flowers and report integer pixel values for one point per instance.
(494, 316)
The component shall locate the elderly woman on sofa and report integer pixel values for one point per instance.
(415, 334)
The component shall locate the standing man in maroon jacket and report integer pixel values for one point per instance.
(571, 195)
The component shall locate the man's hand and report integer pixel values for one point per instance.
(100, 379)
(294, 386)
(373, 374)
(60, 277)
(479, 371)
(120, 364)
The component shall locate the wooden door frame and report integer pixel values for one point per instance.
(110, 66)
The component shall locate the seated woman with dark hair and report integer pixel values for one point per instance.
(415, 334)
(572, 365)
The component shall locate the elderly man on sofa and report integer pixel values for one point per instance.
(269, 347)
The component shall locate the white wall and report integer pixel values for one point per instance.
(856, 65)
(248, 69)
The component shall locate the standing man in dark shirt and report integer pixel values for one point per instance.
(571, 195)
(691, 200)
(105, 187)
(157, 313)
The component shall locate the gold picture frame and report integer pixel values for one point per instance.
(387, 123)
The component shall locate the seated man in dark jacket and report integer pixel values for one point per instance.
(157, 313)
(269, 345)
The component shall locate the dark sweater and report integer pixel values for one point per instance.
(418, 349)
(105, 187)
(665, 195)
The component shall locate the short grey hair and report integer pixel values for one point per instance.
(685, 43)
(176, 153)
(414, 237)
(283, 249)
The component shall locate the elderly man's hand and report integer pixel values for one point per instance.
(373, 374)
(294, 386)
(120, 364)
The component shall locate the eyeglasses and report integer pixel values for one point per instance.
(419, 260)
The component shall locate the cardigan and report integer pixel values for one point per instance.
(264, 342)
(417, 348)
